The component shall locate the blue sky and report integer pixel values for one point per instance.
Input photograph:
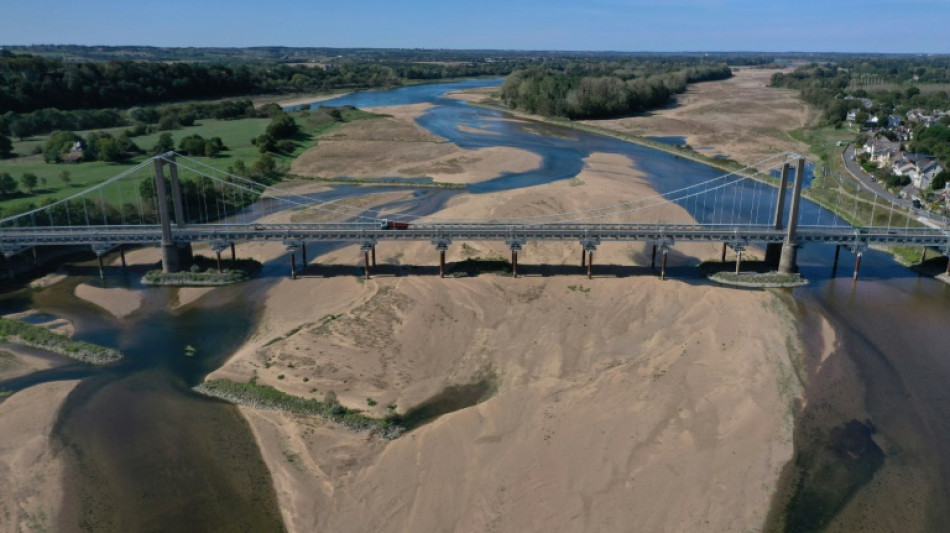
(625, 25)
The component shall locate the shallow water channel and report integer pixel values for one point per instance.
(148, 454)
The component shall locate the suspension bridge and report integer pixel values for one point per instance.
(173, 201)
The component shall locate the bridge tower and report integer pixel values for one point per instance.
(773, 250)
(788, 261)
(174, 256)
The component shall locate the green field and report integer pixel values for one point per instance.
(236, 134)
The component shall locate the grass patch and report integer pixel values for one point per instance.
(204, 273)
(269, 398)
(236, 135)
(41, 338)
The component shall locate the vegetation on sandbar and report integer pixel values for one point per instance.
(269, 398)
(204, 273)
(15, 332)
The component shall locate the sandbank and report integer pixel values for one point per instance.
(16, 361)
(289, 101)
(118, 301)
(620, 400)
(396, 147)
(30, 465)
(741, 117)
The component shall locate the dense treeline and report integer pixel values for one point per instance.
(603, 89)
(142, 119)
(323, 54)
(29, 83)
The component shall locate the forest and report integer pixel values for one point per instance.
(604, 89)
(29, 83)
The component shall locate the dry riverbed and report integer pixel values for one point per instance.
(622, 401)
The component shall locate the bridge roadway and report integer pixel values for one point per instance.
(13, 240)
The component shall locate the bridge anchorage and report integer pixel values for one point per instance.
(172, 201)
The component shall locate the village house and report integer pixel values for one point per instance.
(920, 168)
(75, 153)
(882, 150)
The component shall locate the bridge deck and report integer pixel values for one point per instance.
(12, 239)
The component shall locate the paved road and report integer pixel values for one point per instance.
(865, 180)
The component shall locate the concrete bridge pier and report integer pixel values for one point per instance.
(663, 263)
(233, 254)
(653, 258)
(858, 250)
(101, 249)
(217, 247)
(515, 246)
(834, 265)
(788, 262)
(366, 248)
(292, 246)
(588, 247)
(303, 253)
(122, 257)
(373, 254)
(441, 245)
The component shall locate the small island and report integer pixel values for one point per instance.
(15, 332)
(205, 272)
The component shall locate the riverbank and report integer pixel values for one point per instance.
(706, 402)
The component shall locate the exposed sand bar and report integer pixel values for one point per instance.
(31, 468)
(396, 146)
(741, 117)
(117, 301)
(620, 401)
(16, 361)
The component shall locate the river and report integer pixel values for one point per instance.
(148, 454)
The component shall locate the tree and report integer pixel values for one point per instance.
(192, 145)
(164, 144)
(265, 168)
(282, 126)
(6, 146)
(7, 184)
(107, 149)
(940, 180)
(65, 177)
(265, 143)
(270, 110)
(214, 146)
(29, 181)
